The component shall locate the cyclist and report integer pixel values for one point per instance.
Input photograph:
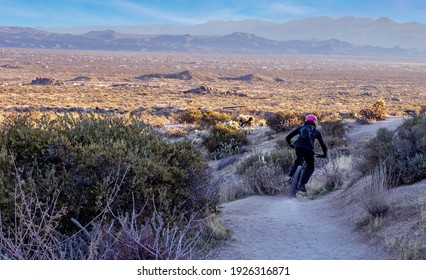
(304, 147)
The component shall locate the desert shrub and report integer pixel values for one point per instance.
(281, 144)
(265, 174)
(410, 147)
(333, 131)
(193, 116)
(331, 142)
(244, 120)
(422, 110)
(321, 114)
(283, 158)
(84, 158)
(211, 118)
(374, 195)
(374, 113)
(333, 125)
(176, 132)
(379, 150)
(283, 120)
(403, 152)
(335, 171)
(35, 233)
(413, 169)
(225, 139)
(408, 247)
(411, 137)
(264, 178)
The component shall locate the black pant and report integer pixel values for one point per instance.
(308, 155)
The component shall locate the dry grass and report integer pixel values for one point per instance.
(331, 174)
(374, 195)
(402, 230)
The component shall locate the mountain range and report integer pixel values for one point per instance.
(382, 32)
(345, 36)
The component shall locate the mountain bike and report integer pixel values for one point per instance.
(296, 179)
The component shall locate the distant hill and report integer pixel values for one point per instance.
(184, 75)
(237, 42)
(251, 78)
(382, 32)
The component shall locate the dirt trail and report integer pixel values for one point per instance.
(274, 227)
(359, 133)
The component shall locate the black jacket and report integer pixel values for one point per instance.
(309, 145)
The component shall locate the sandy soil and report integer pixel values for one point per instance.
(275, 227)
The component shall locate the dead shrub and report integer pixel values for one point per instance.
(265, 174)
(265, 178)
(210, 118)
(333, 125)
(283, 120)
(376, 112)
(335, 171)
(192, 116)
(244, 120)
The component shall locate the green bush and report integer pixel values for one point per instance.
(403, 153)
(225, 139)
(283, 120)
(379, 150)
(413, 169)
(87, 158)
(410, 145)
(411, 136)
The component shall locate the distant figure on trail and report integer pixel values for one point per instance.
(304, 147)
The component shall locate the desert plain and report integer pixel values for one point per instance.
(158, 86)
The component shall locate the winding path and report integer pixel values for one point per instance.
(275, 227)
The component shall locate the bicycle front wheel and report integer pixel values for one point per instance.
(295, 182)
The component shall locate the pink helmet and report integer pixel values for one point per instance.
(311, 118)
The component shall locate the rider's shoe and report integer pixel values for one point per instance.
(302, 188)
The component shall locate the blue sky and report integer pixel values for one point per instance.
(68, 13)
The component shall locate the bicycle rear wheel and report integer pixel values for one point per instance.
(295, 182)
